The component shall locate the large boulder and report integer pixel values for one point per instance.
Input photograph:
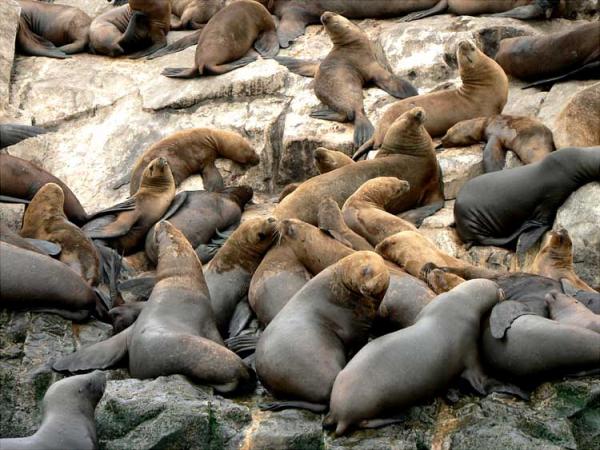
(9, 23)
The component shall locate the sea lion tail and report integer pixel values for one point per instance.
(364, 149)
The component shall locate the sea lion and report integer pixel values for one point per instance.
(365, 211)
(569, 311)
(579, 51)
(529, 138)
(44, 219)
(175, 333)
(327, 160)
(125, 315)
(500, 207)
(194, 151)
(483, 92)
(33, 245)
(578, 125)
(395, 371)
(331, 221)
(67, 416)
(29, 280)
(407, 153)
(203, 213)
(555, 260)
(51, 30)
(307, 344)
(193, 14)
(229, 36)
(341, 76)
(11, 134)
(516, 9)
(124, 226)
(21, 179)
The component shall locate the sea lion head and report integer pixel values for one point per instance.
(365, 273)
(557, 301)
(556, 250)
(382, 190)
(467, 55)
(50, 197)
(340, 30)
(257, 233)
(232, 146)
(407, 135)
(327, 160)
(239, 194)
(84, 391)
(176, 256)
(157, 174)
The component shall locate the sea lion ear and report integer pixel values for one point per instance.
(367, 270)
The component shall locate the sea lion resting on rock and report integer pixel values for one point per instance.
(175, 333)
(33, 245)
(529, 138)
(407, 153)
(500, 207)
(307, 344)
(395, 371)
(52, 30)
(11, 134)
(67, 416)
(341, 76)
(331, 221)
(483, 92)
(21, 179)
(569, 311)
(229, 36)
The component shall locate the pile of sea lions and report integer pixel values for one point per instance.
(359, 314)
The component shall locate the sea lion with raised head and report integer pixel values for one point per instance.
(327, 160)
(569, 311)
(483, 92)
(67, 416)
(302, 350)
(331, 221)
(500, 208)
(176, 331)
(228, 37)
(341, 76)
(56, 31)
(529, 138)
(11, 134)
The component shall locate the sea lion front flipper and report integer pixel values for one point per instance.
(177, 46)
(125, 179)
(363, 150)
(140, 286)
(35, 45)
(242, 344)
(363, 129)
(49, 248)
(242, 315)
(418, 215)
(484, 385)
(328, 114)
(176, 204)
(379, 423)
(440, 7)
(292, 25)
(149, 51)
(220, 69)
(504, 314)
(280, 406)
(212, 179)
(530, 236)
(523, 12)
(102, 355)
(305, 68)
(206, 252)
(393, 85)
(11, 134)
(9, 199)
(119, 2)
(494, 155)
(180, 72)
(127, 205)
(267, 44)
(594, 67)
(568, 287)
(110, 230)
(132, 35)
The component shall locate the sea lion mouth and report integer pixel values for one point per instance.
(326, 17)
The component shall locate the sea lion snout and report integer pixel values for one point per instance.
(326, 17)
(162, 162)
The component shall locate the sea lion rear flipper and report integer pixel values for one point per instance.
(523, 12)
(176, 204)
(11, 134)
(504, 314)
(177, 46)
(326, 113)
(242, 344)
(494, 155)
(206, 252)
(394, 85)
(119, 2)
(267, 44)
(530, 236)
(180, 72)
(242, 315)
(292, 25)
(212, 179)
(136, 28)
(363, 129)
(9, 199)
(140, 286)
(35, 45)
(127, 205)
(593, 67)
(363, 150)
(379, 423)
(305, 68)
(280, 406)
(440, 7)
(102, 355)
(485, 385)
(49, 248)
(149, 51)
(418, 215)
(224, 68)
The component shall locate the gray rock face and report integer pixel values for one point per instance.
(9, 22)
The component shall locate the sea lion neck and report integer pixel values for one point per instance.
(161, 183)
(580, 165)
(412, 143)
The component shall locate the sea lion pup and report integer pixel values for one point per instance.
(529, 138)
(229, 36)
(175, 333)
(229, 273)
(500, 208)
(307, 344)
(11, 134)
(407, 153)
(405, 297)
(29, 280)
(327, 160)
(555, 260)
(395, 371)
(67, 416)
(341, 76)
(331, 221)
(567, 310)
(516, 9)
(483, 92)
(33, 245)
(21, 179)
(365, 211)
(194, 151)
(521, 56)
(51, 30)
(124, 226)
(193, 14)
(44, 219)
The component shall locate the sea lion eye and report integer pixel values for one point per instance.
(262, 236)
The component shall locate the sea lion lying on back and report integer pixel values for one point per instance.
(52, 30)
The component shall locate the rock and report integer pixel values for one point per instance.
(578, 124)
(9, 22)
(580, 215)
(11, 214)
(459, 165)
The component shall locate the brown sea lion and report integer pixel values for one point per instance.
(175, 333)
(440, 281)
(578, 124)
(341, 76)
(529, 138)
(11, 134)
(194, 151)
(52, 30)
(124, 226)
(33, 245)
(229, 36)
(327, 160)
(483, 92)
(555, 260)
(21, 179)
(67, 416)
(516, 9)
(193, 14)
(303, 349)
(521, 57)
(331, 221)
(398, 370)
(407, 153)
(44, 219)
(365, 211)
(569, 311)
(37, 282)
